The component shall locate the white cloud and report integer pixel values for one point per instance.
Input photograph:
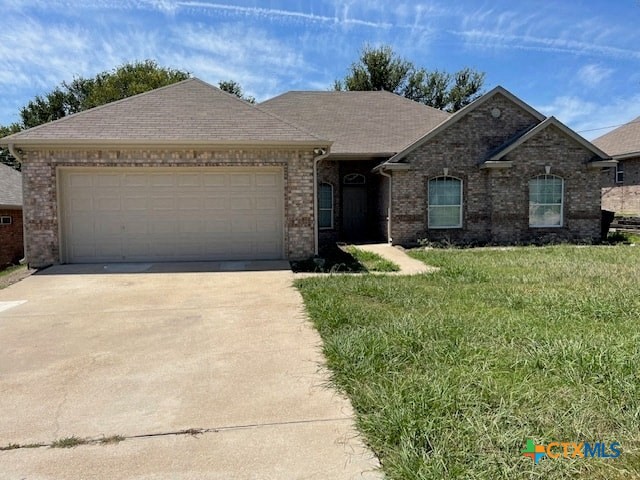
(593, 75)
(592, 119)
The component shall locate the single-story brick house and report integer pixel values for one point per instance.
(11, 235)
(188, 172)
(621, 185)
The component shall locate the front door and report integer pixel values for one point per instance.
(354, 212)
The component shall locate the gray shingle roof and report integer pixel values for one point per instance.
(191, 110)
(621, 141)
(10, 187)
(358, 122)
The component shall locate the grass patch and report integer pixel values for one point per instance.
(11, 269)
(69, 442)
(372, 261)
(450, 373)
(16, 446)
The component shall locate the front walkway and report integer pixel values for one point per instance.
(397, 255)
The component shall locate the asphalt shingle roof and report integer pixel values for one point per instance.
(191, 110)
(622, 140)
(358, 122)
(10, 186)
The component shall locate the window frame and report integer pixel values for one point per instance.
(619, 172)
(6, 220)
(561, 204)
(460, 205)
(330, 209)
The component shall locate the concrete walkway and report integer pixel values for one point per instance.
(204, 375)
(397, 255)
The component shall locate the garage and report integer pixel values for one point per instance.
(161, 214)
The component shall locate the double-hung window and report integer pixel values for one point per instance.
(546, 194)
(445, 202)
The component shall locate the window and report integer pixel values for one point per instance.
(545, 201)
(619, 172)
(354, 179)
(325, 205)
(5, 220)
(445, 202)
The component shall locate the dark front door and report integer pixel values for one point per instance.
(354, 212)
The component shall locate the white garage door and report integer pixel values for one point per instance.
(170, 214)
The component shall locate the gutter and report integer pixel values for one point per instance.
(14, 152)
(322, 154)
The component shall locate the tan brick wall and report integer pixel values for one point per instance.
(623, 198)
(39, 173)
(11, 240)
(495, 202)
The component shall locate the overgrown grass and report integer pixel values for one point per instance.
(451, 372)
(11, 269)
(372, 261)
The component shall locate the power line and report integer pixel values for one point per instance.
(610, 126)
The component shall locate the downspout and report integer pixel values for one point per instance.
(17, 156)
(322, 155)
(388, 175)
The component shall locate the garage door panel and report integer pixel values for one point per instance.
(169, 214)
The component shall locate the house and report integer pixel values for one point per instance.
(188, 172)
(621, 185)
(11, 238)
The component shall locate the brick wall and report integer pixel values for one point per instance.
(495, 202)
(623, 198)
(11, 240)
(39, 176)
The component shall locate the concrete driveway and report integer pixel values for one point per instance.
(206, 374)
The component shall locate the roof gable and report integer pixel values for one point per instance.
(519, 140)
(624, 141)
(375, 123)
(10, 187)
(462, 113)
(189, 112)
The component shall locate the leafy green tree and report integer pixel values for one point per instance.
(234, 88)
(382, 69)
(84, 93)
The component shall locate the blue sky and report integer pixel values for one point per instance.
(577, 60)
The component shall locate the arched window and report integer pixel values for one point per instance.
(325, 205)
(445, 202)
(546, 195)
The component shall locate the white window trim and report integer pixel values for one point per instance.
(619, 172)
(325, 209)
(561, 203)
(6, 220)
(461, 205)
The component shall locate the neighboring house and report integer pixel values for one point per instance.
(621, 186)
(188, 172)
(11, 238)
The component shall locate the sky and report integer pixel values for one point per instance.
(576, 60)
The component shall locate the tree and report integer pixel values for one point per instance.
(234, 88)
(382, 69)
(84, 93)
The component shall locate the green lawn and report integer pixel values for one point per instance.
(451, 372)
